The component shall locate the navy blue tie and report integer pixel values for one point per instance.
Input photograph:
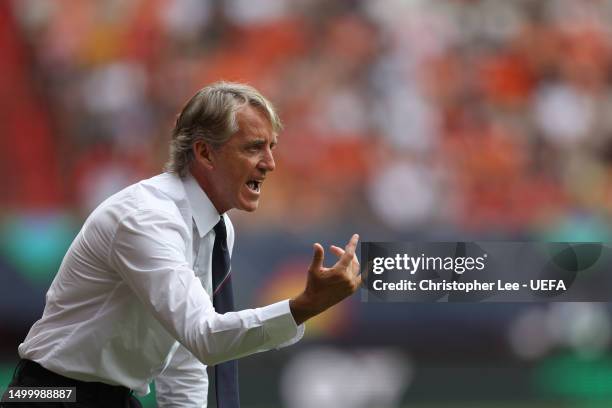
(226, 374)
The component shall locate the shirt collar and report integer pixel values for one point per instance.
(203, 211)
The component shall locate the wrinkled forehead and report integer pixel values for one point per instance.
(249, 115)
(254, 123)
(261, 105)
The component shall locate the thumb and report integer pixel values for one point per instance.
(317, 257)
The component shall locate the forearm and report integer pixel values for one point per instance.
(218, 338)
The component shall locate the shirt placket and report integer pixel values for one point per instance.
(199, 260)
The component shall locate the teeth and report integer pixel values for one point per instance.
(253, 185)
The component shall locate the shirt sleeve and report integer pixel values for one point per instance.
(184, 383)
(148, 252)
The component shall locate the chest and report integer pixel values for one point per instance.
(201, 258)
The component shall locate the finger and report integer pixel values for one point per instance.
(356, 262)
(339, 252)
(336, 250)
(349, 254)
(352, 245)
(317, 257)
(358, 280)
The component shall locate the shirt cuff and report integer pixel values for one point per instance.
(280, 325)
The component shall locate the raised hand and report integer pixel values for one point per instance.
(327, 286)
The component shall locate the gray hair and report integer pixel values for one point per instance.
(210, 115)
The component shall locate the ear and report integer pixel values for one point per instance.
(203, 154)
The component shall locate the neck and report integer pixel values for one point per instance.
(207, 186)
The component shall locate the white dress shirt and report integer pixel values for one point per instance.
(131, 301)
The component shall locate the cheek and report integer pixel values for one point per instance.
(239, 176)
(248, 166)
(240, 172)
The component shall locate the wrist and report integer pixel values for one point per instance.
(301, 310)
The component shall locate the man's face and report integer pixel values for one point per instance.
(241, 164)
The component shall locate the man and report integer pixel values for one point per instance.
(144, 292)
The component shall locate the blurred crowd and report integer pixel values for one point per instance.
(473, 114)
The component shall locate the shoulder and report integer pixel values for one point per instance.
(163, 192)
(151, 202)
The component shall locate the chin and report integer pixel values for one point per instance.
(249, 207)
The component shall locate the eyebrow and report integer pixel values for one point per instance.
(260, 142)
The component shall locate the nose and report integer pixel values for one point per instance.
(267, 162)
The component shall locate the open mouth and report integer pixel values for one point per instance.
(254, 185)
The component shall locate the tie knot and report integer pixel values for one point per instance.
(220, 231)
